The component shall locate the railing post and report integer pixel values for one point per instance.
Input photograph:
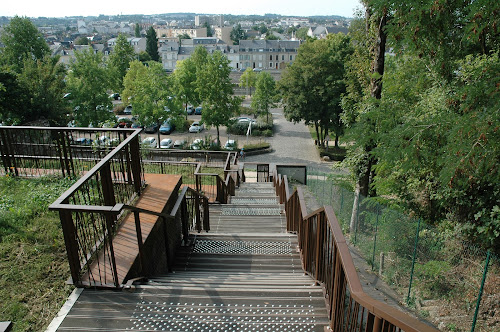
(69, 233)
(197, 211)
(135, 162)
(319, 220)
(139, 240)
(413, 261)
(206, 215)
(109, 200)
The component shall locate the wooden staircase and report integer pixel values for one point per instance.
(245, 275)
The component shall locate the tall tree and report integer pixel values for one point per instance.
(265, 94)
(313, 85)
(248, 79)
(137, 30)
(44, 79)
(216, 91)
(152, 44)
(185, 80)
(119, 61)
(237, 34)
(150, 91)
(209, 29)
(88, 84)
(21, 40)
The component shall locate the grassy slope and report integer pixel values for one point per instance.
(33, 261)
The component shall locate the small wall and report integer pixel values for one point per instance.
(295, 172)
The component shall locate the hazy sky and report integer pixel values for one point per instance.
(57, 8)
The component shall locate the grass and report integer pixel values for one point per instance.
(32, 253)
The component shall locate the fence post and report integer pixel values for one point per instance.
(357, 221)
(375, 237)
(413, 261)
(485, 272)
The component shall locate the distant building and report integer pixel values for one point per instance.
(267, 54)
(167, 32)
(139, 44)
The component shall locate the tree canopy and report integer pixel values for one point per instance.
(313, 85)
(22, 41)
(88, 84)
(119, 61)
(265, 94)
(237, 34)
(431, 134)
(248, 79)
(216, 91)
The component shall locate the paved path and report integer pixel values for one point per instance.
(291, 143)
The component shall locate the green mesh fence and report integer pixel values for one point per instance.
(433, 271)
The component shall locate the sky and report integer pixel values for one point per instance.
(57, 8)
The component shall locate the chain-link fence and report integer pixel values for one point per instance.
(454, 283)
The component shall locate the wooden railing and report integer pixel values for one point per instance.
(326, 257)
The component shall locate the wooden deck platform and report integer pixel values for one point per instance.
(154, 198)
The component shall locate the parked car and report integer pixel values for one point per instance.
(196, 127)
(149, 142)
(244, 119)
(179, 144)
(197, 110)
(230, 145)
(83, 141)
(197, 144)
(151, 129)
(128, 110)
(190, 110)
(257, 69)
(166, 143)
(167, 127)
(115, 96)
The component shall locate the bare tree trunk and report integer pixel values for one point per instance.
(354, 215)
(366, 178)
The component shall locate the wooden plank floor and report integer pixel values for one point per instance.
(125, 245)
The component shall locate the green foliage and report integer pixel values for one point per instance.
(82, 41)
(237, 34)
(313, 85)
(14, 100)
(152, 44)
(150, 91)
(209, 29)
(137, 30)
(88, 84)
(434, 133)
(119, 62)
(248, 79)
(44, 79)
(301, 33)
(215, 89)
(32, 252)
(256, 146)
(22, 41)
(185, 82)
(265, 95)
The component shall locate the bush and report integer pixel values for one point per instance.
(334, 153)
(118, 110)
(257, 146)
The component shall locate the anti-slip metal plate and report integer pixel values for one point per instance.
(246, 211)
(162, 316)
(242, 247)
(256, 201)
(256, 191)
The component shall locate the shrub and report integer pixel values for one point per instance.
(118, 110)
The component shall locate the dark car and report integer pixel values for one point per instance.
(197, 111)
(83, 141)
(115, 96)
(152, 128)
(167, 127)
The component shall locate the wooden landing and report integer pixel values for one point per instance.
(154, 198)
